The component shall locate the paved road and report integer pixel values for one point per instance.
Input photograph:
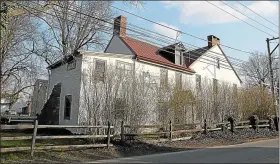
(254, 152)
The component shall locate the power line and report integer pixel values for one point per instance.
(178, 40)
(187, 43)
(119, 24)
(249, 17)
(130, 30)
(226, 67)
(111, 34)
(240, 19)
(206, 52)
(257, 13)
(181, 31)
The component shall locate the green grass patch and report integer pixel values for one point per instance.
(14, 134)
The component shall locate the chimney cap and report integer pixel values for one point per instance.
(119, 17)
(213, 36)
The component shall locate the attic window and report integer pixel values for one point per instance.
(218, 63)
(71, 65)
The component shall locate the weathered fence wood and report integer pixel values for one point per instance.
(142, 126)
(170, 130)
(53, 137)
(74, 136)
(214, 129)
(14, 149)
(185, 125)
(145, 134)
(10, 127)
(71, 126)
(205, 127)
(265, 125)
(220, 123)
(15, 138)
(71, 146)
(187, 131)
(34, 137)
(245, 126)
(122, 131)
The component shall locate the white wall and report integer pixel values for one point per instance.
(206, 66)
(70, 85)
(140, 66)
(88, 64)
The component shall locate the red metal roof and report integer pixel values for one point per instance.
(148, 52)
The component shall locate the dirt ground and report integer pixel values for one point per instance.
(136, 147)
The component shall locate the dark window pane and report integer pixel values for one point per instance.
(163, 77)
(71, 65)
(178, 77)
(100, 70)
(67, 110)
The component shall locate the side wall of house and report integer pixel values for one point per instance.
(70, 85)
(88, 89)
(117, 46)
(207, 67)
(188, 81)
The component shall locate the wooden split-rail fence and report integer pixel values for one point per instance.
(176, 129)
(33, 146)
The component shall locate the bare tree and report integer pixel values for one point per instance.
(75, 25)
(17, 62)
(256, 70)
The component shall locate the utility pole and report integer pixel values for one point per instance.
(271, 72)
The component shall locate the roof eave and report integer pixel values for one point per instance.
(190, 71)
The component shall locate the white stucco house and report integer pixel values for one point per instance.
(172, 62)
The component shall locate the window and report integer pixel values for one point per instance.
(198, 82)
(235, 89)
(124, 67)
(163, 77)
(100, 70)
(120, 108)
(218, 63)
(146, 77)
(178, 78)
(71, 65)
(67, 107)
(215, 86)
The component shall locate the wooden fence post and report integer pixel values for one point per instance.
(170, 130)
(34, 137)
(9, 120)
(122, 131)
(205, 127)
(108, 135)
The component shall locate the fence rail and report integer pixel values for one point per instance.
(172, 131)
(8, 119)
(35, 136)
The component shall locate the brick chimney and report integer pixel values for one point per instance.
(120, 26)
(213, 40)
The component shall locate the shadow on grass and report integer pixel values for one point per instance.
(133, 148)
